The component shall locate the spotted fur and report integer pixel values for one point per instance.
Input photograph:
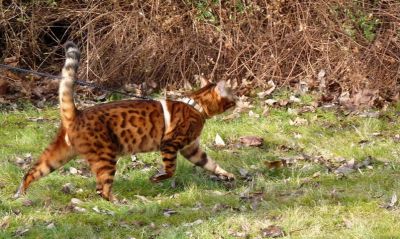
(103, 132)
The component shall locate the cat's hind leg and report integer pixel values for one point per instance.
(54, 156)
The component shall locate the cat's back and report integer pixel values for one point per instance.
(130, 125)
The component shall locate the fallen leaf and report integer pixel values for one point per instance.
(393, 200)
(24, 162)
(316, 174)
(96, 209)
(307, 108)
(103, 211)
(392, 203)
(236, 233)
(5, 222)
(27, 203)
(68, 188)
(232, 83)
(253, 115)
(349, 224)
(198, 206)
(396, 138)
(73, 170)
(297, 136)
(20, 232)
(274, 164)
(242, 105)
(249, 141)
(173, 183)
(363, 142)
(12, 60)
(219, 207)
(79, 209)
(219, 141)
(292, 111)
(151, 83)
(367, 162)
(370, 114)
(271, 88)
(16, 211)
(321, 79)
(195, 223)
(51, 226)
(168, 212)
(344, 169)
(303, 87)
(273, 231)
(142, 198)
(271, 102)
(231, 116)
(364, 98)
(298, 122)
(283, 103)
(265, 112)
(4, 87)
(344, 98)
(76, 201)
(37, 120)
(244, 174)
(294, 99)
(102, 97)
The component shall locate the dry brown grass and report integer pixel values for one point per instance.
(170, 42)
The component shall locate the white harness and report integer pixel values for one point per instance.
(192, 103)
(167, 114)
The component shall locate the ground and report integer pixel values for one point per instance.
(313, 195)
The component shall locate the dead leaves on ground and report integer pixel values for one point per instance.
(273, 231)
(339, 166)
(243, 141)
(219, 142)
(275, 164)
(251, 141)
(268, 90)
(247, 231)
(392, 203)
(24, 162)
(15, 87)
(169, 212)
(245, 104)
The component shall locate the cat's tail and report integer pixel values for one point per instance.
(66, 90)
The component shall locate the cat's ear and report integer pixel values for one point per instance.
(221, 88)
(203, 82)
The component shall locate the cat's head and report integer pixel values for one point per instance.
(214, 98)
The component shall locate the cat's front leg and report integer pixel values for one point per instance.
(197, 156)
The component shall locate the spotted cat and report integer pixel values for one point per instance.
(102, 132)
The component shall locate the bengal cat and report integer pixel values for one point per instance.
(102, 132)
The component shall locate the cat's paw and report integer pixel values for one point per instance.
(226, 176)
(20, 192)
(159, 177)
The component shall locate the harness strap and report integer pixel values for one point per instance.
(167, 116)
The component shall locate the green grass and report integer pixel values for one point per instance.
(327, 206)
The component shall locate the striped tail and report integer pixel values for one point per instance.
(69, 74)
